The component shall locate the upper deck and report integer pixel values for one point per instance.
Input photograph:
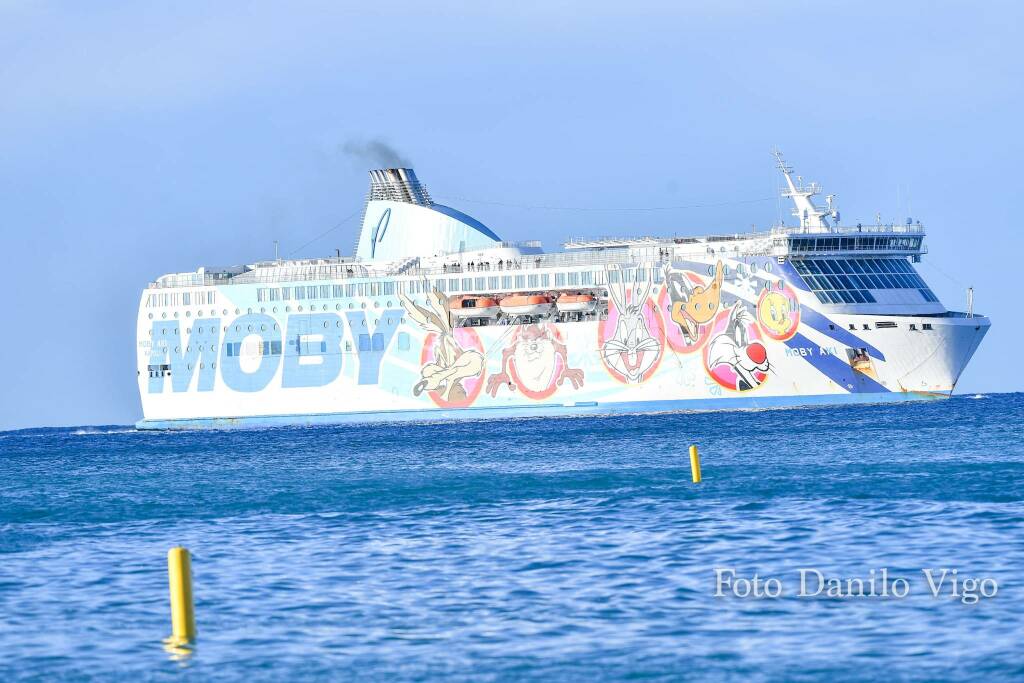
(406, 238)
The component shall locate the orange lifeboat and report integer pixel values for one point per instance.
(576, 303)
(526, 304)
(474, 307)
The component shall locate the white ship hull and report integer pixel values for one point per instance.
(812, 315)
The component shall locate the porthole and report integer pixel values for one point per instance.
(287, 309)
(250, 311)
(300, 309)
(175, 330)
(225, 328)
(250, 328)
(389, 304)
(376, 304)
(337, 308)
(362, 305)
(175, 314)
(213, 366)
(337, 324)
(188, 330)
(262, 310)
(225, 312)
(274, 309)
(202, 366)
(351, 306)
(177, 349)
(188, 348)
(237, 311)
(263, 328)
(150, 316)
(238, 328)
(188, 314)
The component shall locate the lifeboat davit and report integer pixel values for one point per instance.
(576, 303)
(529, 304)
(474, 307)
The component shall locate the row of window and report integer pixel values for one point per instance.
(303, 346)
(887, 325)
(860, 243)
(452, 285)
(202, 297)
(839, 281)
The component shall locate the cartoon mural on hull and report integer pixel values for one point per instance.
(450, 365)
(736, 357)
(536, 362)
(632, 352)
(693, 304)
(778, 311)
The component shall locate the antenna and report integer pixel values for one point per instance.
(812, 219)
(277, 256)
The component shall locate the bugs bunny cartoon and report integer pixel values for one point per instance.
(632, 350)
(451, 363)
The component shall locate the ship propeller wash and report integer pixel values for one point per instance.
(435, 318)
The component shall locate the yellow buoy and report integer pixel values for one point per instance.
(695, 464)
(183, 615)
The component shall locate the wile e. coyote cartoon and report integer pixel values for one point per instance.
(632, 350)
(451, 363)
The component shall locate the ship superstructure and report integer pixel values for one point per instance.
(435, 317)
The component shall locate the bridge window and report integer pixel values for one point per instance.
(848, 280)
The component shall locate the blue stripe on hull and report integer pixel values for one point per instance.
(539, 410)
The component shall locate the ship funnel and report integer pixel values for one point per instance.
(398, 185)
(401, 221)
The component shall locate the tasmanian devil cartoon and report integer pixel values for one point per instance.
(734, 348)
(535, 362)
(692, 306)
(632, 350)
(451, 363)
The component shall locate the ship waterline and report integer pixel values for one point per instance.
(435, 318)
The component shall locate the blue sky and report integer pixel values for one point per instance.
(138, 139)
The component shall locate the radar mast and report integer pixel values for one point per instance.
(811, 218)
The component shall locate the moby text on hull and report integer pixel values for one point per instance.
(435, 317)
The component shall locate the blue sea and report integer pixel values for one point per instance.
(533, 549)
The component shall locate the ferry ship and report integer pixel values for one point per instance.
(435, 317)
